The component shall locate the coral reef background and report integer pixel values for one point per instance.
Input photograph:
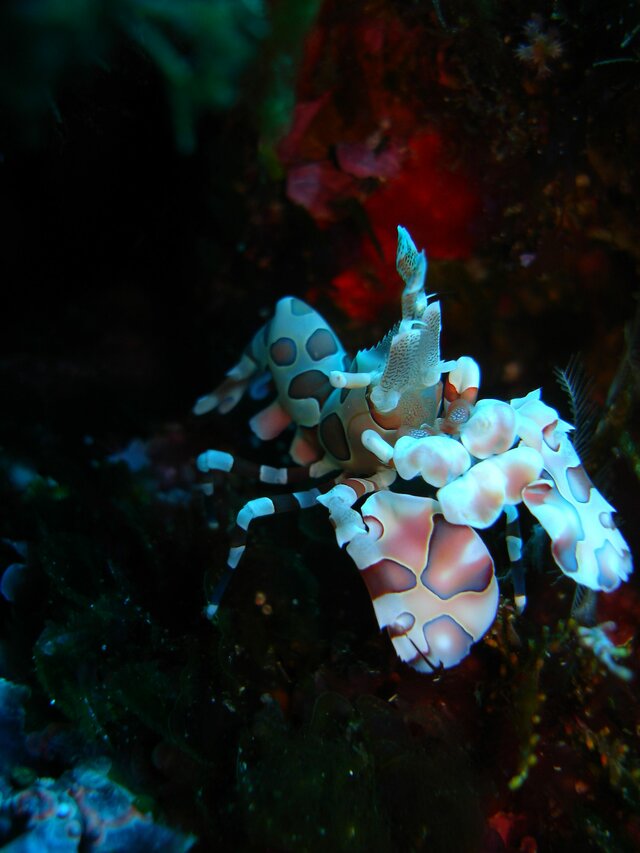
(168, 171)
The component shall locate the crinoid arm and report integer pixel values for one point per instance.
(578, 386)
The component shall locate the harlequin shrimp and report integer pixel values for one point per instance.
(398, 410)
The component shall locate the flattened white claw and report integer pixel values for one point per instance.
(346, 521)
(477, 498)
(349, 528)
(490, 430)
(438, 459)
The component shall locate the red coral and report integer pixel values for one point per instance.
(358, 138)
(435, 202)
(438, 205)
(509, 831)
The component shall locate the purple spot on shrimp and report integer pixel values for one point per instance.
(333, 437)
(283, 352)
(402, 625)
(606, 520)
(579, 483)
(447, 641)
(310, 384)
(321, 344)
(387, 576)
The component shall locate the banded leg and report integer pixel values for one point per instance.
(219, 460)
(256, 508)
(514, 550)
(346, 522)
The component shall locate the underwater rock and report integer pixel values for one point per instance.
(81, 810)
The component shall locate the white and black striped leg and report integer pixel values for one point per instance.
(218, 460)
(514, 550)
(256, 508)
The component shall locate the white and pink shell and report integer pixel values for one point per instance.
(432, 583)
